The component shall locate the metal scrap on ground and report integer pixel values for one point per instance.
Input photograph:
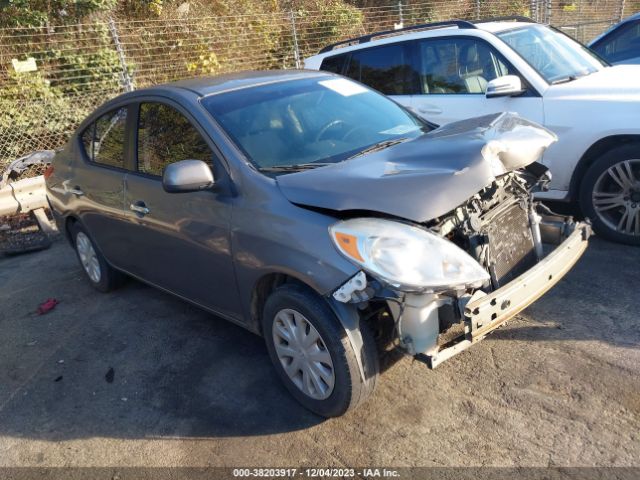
(25, 225)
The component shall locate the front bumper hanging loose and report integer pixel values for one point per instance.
(485, 313)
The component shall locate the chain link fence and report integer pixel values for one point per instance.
(52, 77)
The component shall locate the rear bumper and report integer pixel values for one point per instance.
(486, 312)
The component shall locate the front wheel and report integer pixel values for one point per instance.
(610, 195)
(313, 355)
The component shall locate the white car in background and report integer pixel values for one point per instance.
(454, 70)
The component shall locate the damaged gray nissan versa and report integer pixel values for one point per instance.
(319, 214)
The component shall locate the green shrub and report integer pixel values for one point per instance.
(82, 72)
(34, 115)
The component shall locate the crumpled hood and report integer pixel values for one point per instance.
(425, 177)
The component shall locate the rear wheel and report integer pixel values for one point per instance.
(312, 353)
(100, 274)
(610, 195)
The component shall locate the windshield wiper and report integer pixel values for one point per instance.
(376, 147)
(567, 79)
(292, 168)
(570, 78)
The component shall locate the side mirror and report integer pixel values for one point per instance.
(187, 176)
(506, 86)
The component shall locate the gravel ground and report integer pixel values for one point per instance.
(139, 378)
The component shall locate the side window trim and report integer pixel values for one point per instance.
(129, 136)
(347, 64)
(530, 89)
(87, 156)
(409, 54)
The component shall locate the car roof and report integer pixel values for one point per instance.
(614, 27)
(496, 27)
(414, 33)
(635, 16)
(210, 85)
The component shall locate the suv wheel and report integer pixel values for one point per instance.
(101, 275)
(610, 195)
(313, 355)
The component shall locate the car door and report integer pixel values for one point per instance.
(96, 182)
(453, 75)
(179, 241)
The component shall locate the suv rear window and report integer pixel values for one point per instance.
(333, 64)
(388, 69)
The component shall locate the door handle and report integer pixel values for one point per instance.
(139, 208)
(430, 109)
(76, 191)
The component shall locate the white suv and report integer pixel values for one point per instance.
(454, 70)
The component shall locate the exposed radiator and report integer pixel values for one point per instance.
(511, 247)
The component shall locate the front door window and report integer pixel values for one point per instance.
(458, 66)
(166, 136)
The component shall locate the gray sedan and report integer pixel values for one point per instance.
(318, 213)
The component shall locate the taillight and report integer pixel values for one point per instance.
(48, 172)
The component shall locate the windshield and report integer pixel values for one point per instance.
(311, 121)
(555, 56)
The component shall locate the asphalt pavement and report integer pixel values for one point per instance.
(139, 378)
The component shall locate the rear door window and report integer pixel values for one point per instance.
(388, 69)
(166, 136)
(104, 139)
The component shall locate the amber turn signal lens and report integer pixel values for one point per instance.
(349, 244)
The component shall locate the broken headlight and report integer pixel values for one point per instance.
(405, 256)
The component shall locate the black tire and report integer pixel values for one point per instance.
(349, 389)
(109, 278)
(607, 229)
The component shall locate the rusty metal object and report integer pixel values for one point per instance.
(29, 166)
(23, 196)
(24, 222)
(21, 233)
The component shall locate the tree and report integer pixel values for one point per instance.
(37, 13)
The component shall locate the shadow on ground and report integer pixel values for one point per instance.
(141, 364)
(137, 363)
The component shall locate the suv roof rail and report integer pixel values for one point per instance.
(507, 18)
(389, 33)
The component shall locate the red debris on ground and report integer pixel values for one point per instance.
(47, 306)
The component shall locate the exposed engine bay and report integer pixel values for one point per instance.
(464, 248)
(503, 228)
(499, 226)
